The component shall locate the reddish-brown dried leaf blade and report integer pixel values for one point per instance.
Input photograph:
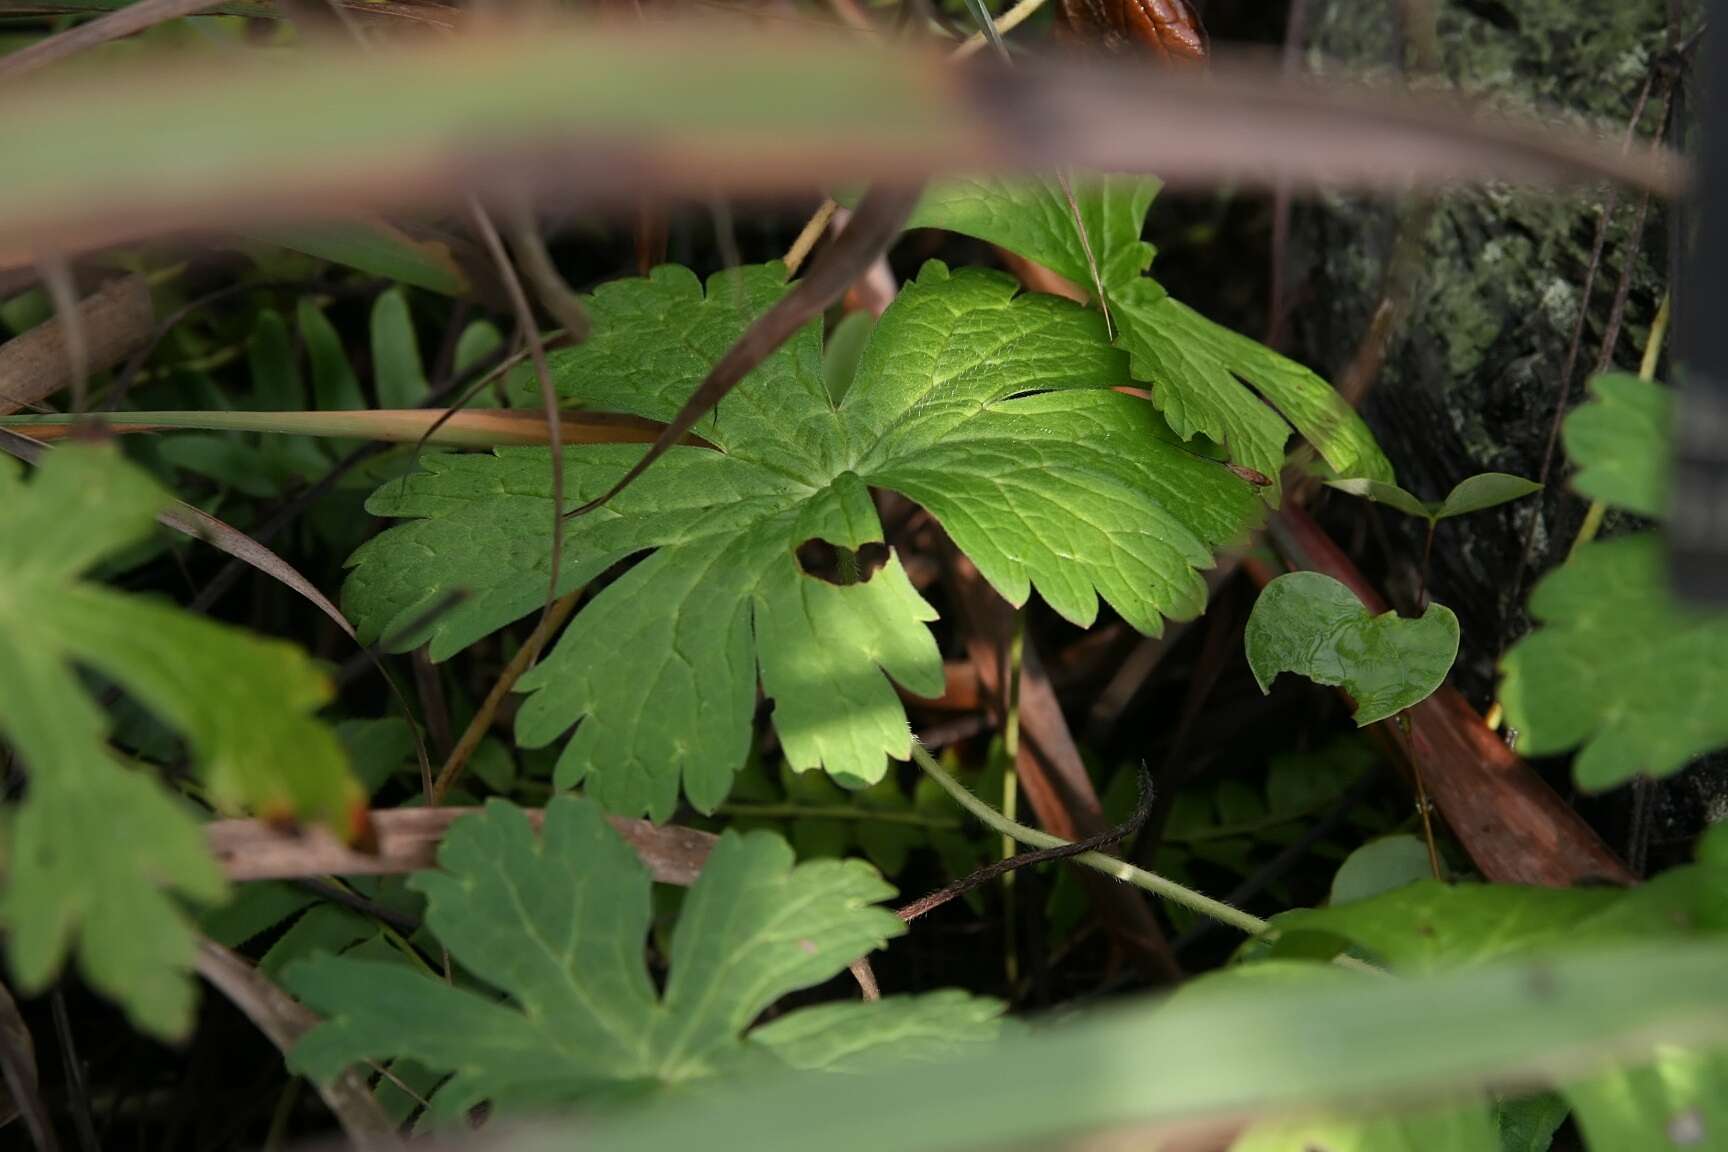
(1171, 29)
(875, 225)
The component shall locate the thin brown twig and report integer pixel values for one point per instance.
(1563, 401)
(121, 22)
(550, 622)
(408, 840)
(997, 868)
(548, 397)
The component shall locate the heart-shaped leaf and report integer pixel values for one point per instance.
(1312, 625)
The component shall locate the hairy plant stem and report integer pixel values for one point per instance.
(1109, 865)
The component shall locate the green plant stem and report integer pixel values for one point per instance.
(1109, 865)
(1653, 343)
(1011, 784)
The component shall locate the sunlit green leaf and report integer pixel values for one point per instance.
(1203, 377)
(1618, 440)
(1618, 667)
(97, 850)
(994, 410)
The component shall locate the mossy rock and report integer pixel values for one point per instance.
(1470, 382)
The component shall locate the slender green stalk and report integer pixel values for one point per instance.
(1011, 785)
(1109, 865)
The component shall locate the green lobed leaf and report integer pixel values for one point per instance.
(1310, 624)
(862, 1035)
(557, 923)
(97, 850)
(1200, 372)
(1032, 217)
(1618, 440)
(1618, 668)
(995, 410)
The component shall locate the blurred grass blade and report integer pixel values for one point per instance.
(1214, 1058)
(374, 247)
(593, 111)
(469, 429)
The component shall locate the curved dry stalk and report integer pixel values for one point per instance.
(283, 1020)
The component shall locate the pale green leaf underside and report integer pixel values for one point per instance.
(1200, 374)
(994, 410)
(1618, 440)
(1676, 1101)
(1474, 494)
(1618, 667)
(1463, 1128)
(1314, 626)
(1247, 1051)
(1379, 866)
(97, 848)
(1203, 376)
(557, 923)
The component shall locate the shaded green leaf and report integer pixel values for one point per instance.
(1310, 624)
(1485, 490)
(96, 850)
(1528, 1123)
(1618, 440)
(375, 248)
(1381, 866)
(1387, 493)
(861, 1035)
(1618, 667)
(396, 371)
(334, 385)
(557, 924)
(994, 410)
